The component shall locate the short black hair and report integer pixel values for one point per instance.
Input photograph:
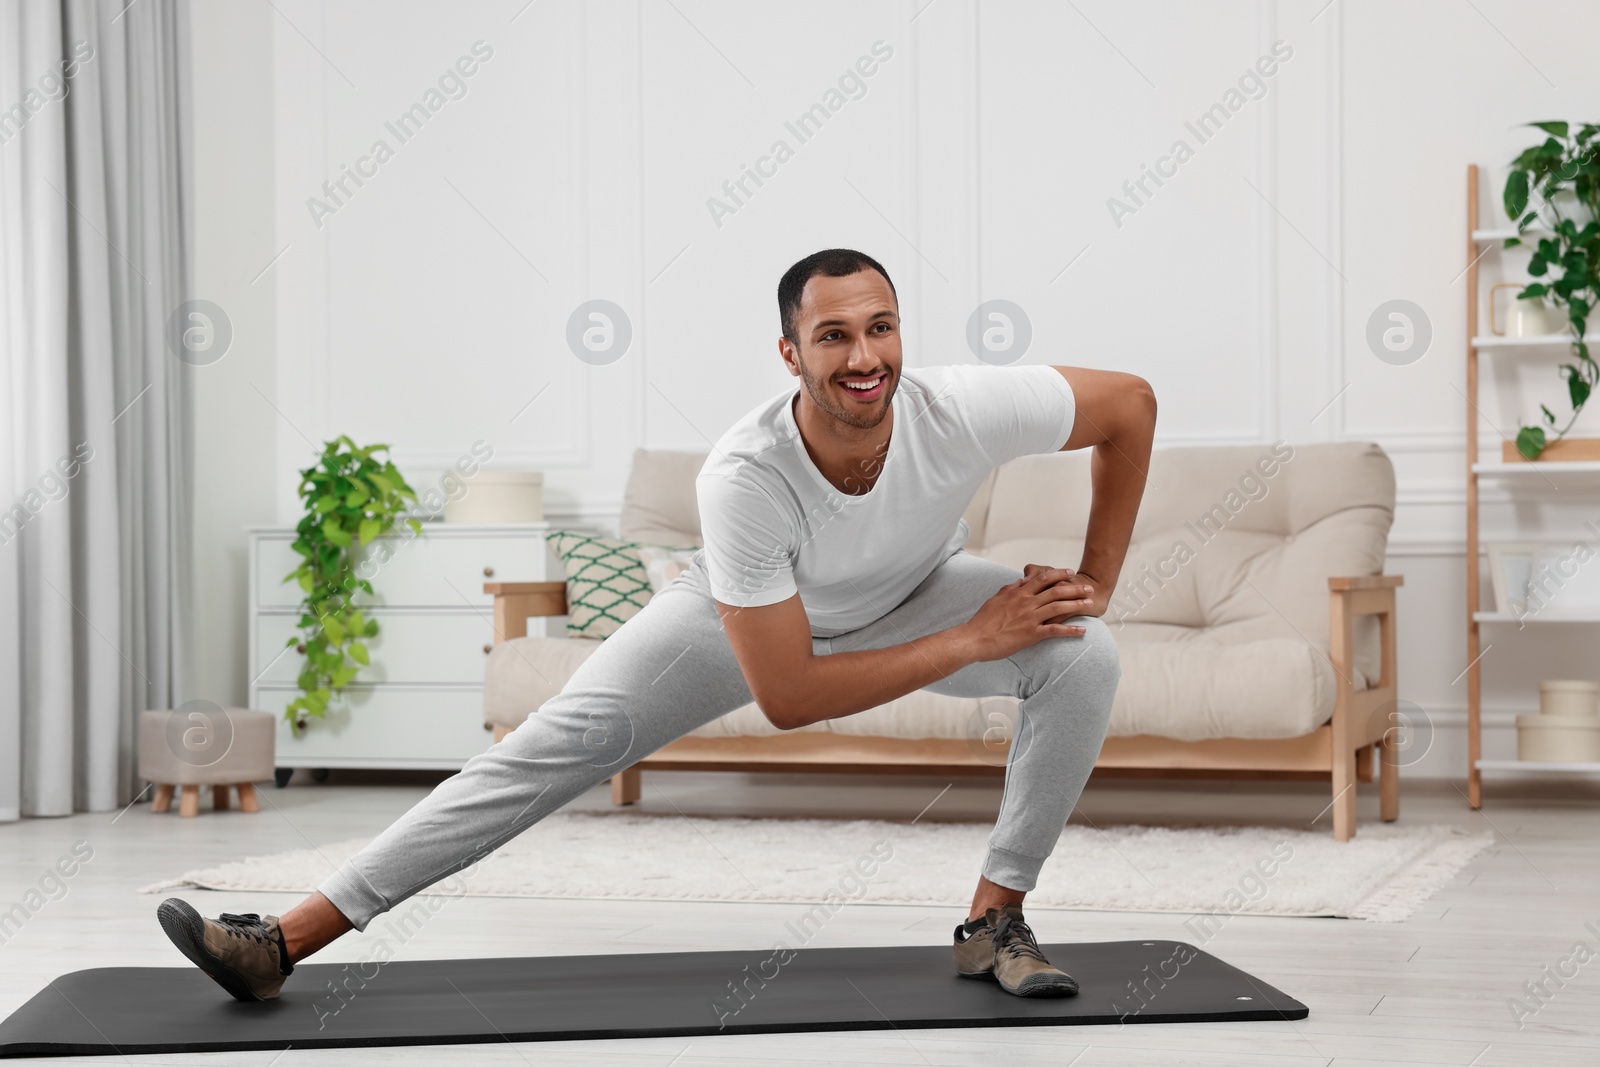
(833, 262)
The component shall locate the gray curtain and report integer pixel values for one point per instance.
(94, 408)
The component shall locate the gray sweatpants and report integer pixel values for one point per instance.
(669, 670)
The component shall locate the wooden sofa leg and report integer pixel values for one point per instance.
(500, 733)
(189, 805)
(1344, 794)
(1364, 756)
(1388, 781)
(626, 786)
(162, 801)
(247, 797)
(219, 798)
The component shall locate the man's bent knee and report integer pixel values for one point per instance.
(1088, 661)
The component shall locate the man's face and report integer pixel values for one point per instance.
(849, 352)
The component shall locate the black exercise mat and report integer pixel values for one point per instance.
(132, 1010)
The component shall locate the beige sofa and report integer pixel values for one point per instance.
(1255, 626)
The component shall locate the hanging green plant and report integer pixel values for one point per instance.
(350, 498)
(1568, 259)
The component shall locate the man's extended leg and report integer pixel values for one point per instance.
(668, 670)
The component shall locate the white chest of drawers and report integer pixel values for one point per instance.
(420, 702)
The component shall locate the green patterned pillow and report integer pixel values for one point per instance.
(607, 582)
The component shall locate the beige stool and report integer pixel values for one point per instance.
(203, 744)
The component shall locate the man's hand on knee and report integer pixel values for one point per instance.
(1095, 600)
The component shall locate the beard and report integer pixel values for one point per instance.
(855, 416)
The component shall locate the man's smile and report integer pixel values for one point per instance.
(866, 387)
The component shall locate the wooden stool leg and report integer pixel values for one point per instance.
(219, 798)
(163, 799)
(247, 796)
(189, 806)
(626, 786)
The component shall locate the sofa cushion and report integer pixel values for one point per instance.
(1183, 688)
(659, 506)
(607, 581)
(1236, 542)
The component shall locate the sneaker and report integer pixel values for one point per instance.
(1019, 966)
(974, 948)
(244, 954)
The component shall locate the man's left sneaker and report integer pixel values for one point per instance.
(1019, 966)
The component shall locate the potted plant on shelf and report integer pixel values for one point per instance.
(350, 497)
(1564, 172)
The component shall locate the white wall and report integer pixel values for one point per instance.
(235, 463)
(430, 307)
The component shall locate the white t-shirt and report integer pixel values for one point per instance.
(774, 526)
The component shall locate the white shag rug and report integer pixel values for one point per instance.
(1383, 874)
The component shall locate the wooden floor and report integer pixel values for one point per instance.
(1432, 990)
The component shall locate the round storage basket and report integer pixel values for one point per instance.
(1569, 697)
(1558, 738)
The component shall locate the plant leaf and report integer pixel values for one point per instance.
(336, 533)
(1516, 194)
(358, 652)
(1558, 129)
(1530, 441)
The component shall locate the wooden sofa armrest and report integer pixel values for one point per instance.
(1367, 581)
(516, 602)
(1362, 718)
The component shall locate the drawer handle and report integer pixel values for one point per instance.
(487, 649)
(488, 572)
(489, 726)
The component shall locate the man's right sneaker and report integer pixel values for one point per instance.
(244, 954)
(1019, 966)
(974, 949)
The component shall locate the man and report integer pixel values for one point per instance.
(832, 580)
